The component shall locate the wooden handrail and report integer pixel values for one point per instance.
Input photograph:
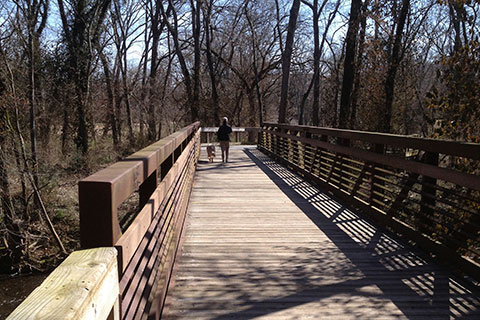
(84, 286)
(89, 283)
(113, 185)
(429, 198)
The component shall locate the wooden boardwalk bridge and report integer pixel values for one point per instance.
(314, 223)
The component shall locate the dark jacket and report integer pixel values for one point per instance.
(223, 133)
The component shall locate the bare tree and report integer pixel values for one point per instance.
(125, 25)
(286, 59)
(317, 52)
(187, 77)
(349, 63)
(394, 61)
(255, 66)
(82, 25)
(207, 16)
(34, 13)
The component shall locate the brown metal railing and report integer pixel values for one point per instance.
(242, 135)
(427, 190)
(162, 174)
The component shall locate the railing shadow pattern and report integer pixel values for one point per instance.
(411, 281)
(361, 263)
(427, 190)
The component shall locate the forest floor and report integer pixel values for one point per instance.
(58, 183)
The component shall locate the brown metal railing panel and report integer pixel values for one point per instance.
(425, 189)
(162, 174)
(238, 135)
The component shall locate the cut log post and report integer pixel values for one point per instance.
(84, 286)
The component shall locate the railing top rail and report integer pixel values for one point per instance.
(84, 286)
(455, 148)
(234, 129)
(125, 176)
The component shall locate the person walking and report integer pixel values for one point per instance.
(223, 136)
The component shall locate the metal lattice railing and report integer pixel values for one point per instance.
(425, 189)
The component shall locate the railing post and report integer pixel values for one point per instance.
(99, 225)
(428, 195)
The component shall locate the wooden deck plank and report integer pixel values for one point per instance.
(262, 243)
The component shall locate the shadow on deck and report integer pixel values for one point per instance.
(340, 266)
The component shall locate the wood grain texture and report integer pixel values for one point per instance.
(130, 240)
(262, 243)
(84, 286)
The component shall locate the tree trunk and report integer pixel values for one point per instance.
(181, 59)
(456, 26)
(126, 97)
(6, 203)
(82, 29)
(33, 107)
(110, 99)
(316, 65)
(13, 236)
(393, 66)
(286, 60)
(349, 64)
(301, 108)
(151, 118)
(126, 93)
(255, 68)
(144, 93)
(358, 65)
(317, 53)
(117, 103)
(196, 28)
(216, 107)
(252, 114)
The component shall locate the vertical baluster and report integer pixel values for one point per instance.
(428, 196)
(375, 181)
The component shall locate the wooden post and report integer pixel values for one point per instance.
(84, 286)
(99, 225)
